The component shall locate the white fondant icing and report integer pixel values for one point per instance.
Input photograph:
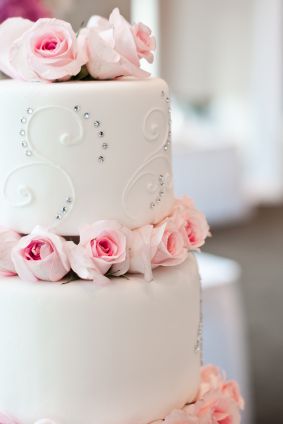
(134, 119)
(119, 354)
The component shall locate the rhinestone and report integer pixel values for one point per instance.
(168, 99)
(69, 200)
(101, 159)
(96, 124)
(29, 110)
(22, 133)
(59, 216)
(162, 93)
(152, 205)
(161, 193)
(24, 144)
(28, 153)
(23, 120)
(64, 209)
(86, 115)
(101, 134)
(166, 147)
(76, 108)
(158, 200)
(104, 146)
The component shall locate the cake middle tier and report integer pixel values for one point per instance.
(125, 353)
(74, 153)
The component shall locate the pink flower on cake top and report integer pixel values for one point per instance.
(105, 249)
(49, 50)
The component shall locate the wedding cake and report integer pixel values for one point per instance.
(100, 317)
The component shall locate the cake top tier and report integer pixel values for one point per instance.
(78, 152)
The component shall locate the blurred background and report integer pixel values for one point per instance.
(223, 62)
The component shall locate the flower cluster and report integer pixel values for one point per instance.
(218, 401)
(106, 248)
(49, 50)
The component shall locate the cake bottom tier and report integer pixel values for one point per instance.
(81, 354)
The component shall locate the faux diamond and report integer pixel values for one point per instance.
(101, 159)
(29, 110)
(28, 153)
(86, 115)
(23, 120)
(104, 146)
(59, 216)
(64, 209)
(161, 193)
(101, 134)
(166, 147)
(24, 144)
(69, 200)
(162, 93)
(152, 205)
(158, 200)
(22, 133)
(96, 124)
(77, 108)
(168, 99)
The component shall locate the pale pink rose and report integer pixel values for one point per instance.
(103, 246)
(145, 42)
(142, 251)
(8, 240)
(4, 419)
(168, 237)
(41, 256)
(181, 417)
(111, 48)
(195, 228)
(211, 378)
(231, 389)
(47, 50)
(215, 408)
(11, 30)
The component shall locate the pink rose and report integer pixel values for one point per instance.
(168, 237)
(112, 48)
(41, 256)
(211, 378)
(231, 389)
(141, 251)
(145, 42)
(102, 246)
(46, 50)
(10, 31)
(215, 408)
(196, 228)
(4, 419)
(8, 240)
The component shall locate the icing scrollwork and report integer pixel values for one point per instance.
(156, 126)
(33, 186)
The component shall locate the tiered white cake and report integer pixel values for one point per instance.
(78, 353)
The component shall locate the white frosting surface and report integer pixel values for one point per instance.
(78, 152)
(119, 354)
